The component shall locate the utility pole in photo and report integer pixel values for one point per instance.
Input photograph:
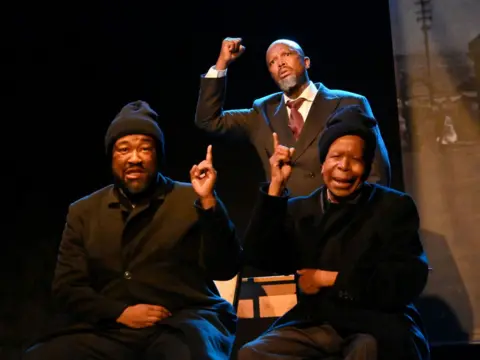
(424, 17)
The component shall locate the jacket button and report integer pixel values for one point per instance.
(127, 275)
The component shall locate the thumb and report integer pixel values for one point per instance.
(301, 272)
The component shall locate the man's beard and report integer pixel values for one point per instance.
(136, 186)
(288, 83)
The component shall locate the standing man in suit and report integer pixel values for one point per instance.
(138, 259)
(355, 247)
(297, 114)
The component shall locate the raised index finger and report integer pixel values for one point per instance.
(275, 141)
(209, 157)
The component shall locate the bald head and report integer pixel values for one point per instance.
(288, 66)
(291, 44)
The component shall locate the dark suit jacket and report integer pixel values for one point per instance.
(374, 245)
(168, 253)
(269, 114)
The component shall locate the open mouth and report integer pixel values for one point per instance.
(344, 182)
(134, 173)
(284, 73)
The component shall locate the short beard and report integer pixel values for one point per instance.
(288, 83)
(135, 187)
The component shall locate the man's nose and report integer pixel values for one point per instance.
(343, 163)
(134, 158)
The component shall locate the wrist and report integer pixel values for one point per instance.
(208, 201)
(327, 278)
(275, 188)
(221, 65)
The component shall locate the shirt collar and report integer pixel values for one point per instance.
(308, 93)
(355, 198)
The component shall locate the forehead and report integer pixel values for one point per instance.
(280, 47)
(350, 143)
(134, 139)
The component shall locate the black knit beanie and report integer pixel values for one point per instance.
(350, 120)
(136, 118)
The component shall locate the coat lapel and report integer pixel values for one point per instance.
(308, 230)
(279, 124)
(358, 238)
(137, 228)
(138, 225)
(349, 231)
(322, 107)
(109, 224)
(328, 235)
(165, 229)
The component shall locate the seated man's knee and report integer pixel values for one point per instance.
(38, 351)
(246, 352)
(77, 347)
(364, 344)
(369, 343)
(44, 351)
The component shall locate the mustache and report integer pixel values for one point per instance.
(134, 168)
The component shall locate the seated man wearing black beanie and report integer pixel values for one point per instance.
(355, 250)
(138, 259)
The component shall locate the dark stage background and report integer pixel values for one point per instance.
(76, 66)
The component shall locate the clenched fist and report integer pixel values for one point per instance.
(231, 49)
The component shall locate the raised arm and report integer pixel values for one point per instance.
(268, 243)
(210, 114)
(220, 252)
